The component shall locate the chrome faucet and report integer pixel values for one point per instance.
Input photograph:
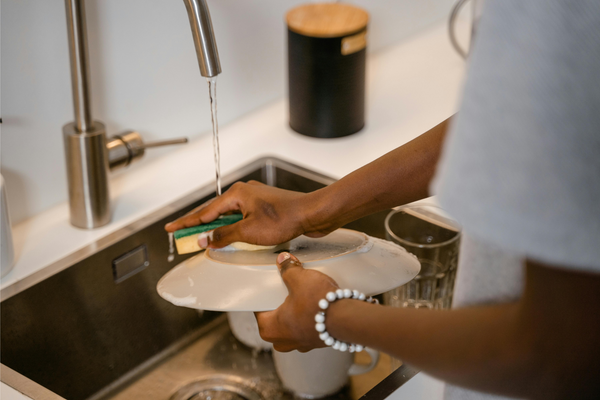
(89, 154)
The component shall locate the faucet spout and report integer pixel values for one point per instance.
(204, 38)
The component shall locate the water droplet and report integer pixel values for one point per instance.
(171, 247)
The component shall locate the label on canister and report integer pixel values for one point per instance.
(354, 43)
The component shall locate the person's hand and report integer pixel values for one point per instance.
(292, 325)
(271, 216)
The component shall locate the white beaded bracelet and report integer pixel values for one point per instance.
(330, 297)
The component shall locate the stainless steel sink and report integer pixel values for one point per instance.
(97, 329)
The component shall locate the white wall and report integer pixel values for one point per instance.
(145, 75)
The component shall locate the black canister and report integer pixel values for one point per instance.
(326, 69)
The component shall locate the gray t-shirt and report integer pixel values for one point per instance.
(521, 166)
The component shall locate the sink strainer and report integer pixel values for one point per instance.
(218, 388)
(211, 394)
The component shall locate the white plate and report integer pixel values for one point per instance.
(222, 280)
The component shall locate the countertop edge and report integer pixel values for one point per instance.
(391, 383)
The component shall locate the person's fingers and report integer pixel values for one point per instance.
(290, 269)
(283, 347)
(268, 328)
(261, 316)
(266, 322)
(307, 349)
(183, 222)
(201, 206)
(208, 213)
(316, 234)
(225, 235)
(256, 183)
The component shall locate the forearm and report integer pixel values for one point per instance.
(480, 348)
(401, 176)
(544, 346)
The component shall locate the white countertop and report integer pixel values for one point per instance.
(8, 393)
(411, 87)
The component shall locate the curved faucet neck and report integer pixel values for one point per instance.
(204, 37)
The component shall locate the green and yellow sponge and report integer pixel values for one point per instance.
(186, 240)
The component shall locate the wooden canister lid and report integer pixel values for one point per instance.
(326, 20)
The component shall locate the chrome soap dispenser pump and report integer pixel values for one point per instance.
(89, 154)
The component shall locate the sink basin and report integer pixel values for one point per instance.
(97, 328)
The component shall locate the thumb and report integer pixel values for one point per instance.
(290, 269)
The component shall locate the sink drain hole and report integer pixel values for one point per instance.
(218, 388)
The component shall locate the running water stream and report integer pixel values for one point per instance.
(212, 92)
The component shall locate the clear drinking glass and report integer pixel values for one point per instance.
(427, 232)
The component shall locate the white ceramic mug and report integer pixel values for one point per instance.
(319, 372)
(245, 329)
